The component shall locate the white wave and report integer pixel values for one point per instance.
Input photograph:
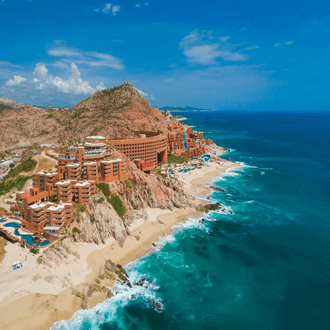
(107, 311)
(225, 210)
(250, 202)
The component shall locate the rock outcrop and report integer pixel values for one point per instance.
(99, 223)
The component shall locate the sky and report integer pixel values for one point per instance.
(227, 55)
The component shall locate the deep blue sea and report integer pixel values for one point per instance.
(264, 261)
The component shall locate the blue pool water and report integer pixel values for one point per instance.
(13, 225)
(44, 243)
(263, 261)
(27, 238)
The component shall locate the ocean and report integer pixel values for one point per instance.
(263, 262)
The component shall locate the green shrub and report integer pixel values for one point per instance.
(104, 187)
(11, 183)
(172, 159)
(80, 208)
(127, 182)
(75, 231)
(33, 251)
(26, 166)
(100, 200)
(117, 204)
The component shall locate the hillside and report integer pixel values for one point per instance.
(114, 113)
(25, 125)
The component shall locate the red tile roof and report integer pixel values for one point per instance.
(147, 164)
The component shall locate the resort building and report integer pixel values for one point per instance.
(78, 170)
(149, 147)
(48, 217)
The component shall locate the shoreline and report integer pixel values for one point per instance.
(40, 310)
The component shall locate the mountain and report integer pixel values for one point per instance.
(9, 104)
(113, 113)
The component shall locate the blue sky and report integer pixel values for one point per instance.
(253, 55)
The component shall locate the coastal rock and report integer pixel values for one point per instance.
(157, 305)
(209, 207)
(59, 252)
(218, 189)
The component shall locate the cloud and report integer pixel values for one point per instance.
(59, 64)
(288, 43)
(45, 83)
(203, 48)
(251, 47)
(90, 58)
(146, 95)
(223, 39)
(144, 4)
(6, 64)
(63, 51)
(109, 8)
(15, 81)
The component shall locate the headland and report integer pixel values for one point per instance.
(74, 272)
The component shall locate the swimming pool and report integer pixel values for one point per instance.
(13, 225)
(44, 243)
(27, 238)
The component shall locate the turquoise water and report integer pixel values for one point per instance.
(44, 243)
(13, 225)
(263, 260)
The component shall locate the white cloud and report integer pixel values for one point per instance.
(15, 81)
(223, 39)
(288, 43)
(90, 58)
(64, 51)
(251, 47)
(109, 8)
(6, 64)
(59, 64)
(146, 95)
(203, 48)
(144, 4)
(47, 84)
(115, 10)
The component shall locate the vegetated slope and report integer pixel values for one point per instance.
(113, 113)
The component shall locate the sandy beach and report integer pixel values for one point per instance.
(36, 296)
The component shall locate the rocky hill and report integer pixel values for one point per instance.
(113, 113)
(9, 104)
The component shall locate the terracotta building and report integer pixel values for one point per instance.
(78, 170)
(151, 147)
(48, 217)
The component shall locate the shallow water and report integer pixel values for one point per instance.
(263, 261)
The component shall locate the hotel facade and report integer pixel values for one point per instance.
(79, 169)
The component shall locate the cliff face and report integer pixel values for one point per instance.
(100, 223)
(113, 113)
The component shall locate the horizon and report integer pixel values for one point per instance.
(227, 56)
